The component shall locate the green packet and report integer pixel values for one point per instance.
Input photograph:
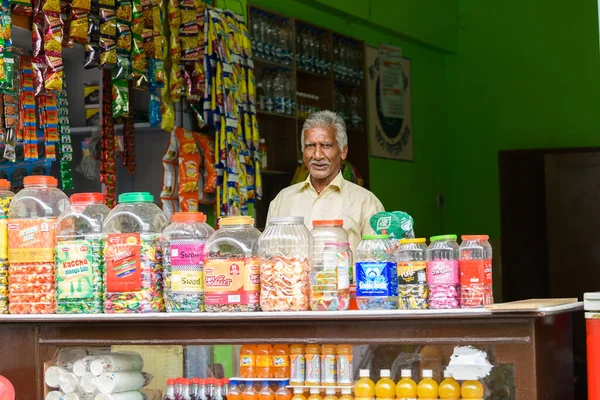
(397, 224)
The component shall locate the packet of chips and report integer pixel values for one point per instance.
(120, 96)
(189, 165)
(92, 49)
(79, 26)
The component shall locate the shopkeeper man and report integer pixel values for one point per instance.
(325, 194)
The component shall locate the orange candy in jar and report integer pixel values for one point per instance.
(284, 265)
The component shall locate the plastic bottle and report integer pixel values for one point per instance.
(315, 394)
(263, 361)
(330, 394)
(261, 35)
(186, 389)
(282, 392)
(313, 365)
(284, 42)
(443, 273)
(307, 49)
(449, 389)
(290, 98)
(280, 363)
(298, 394)
(179, 389)
(427, 387)
(472, 390)
(476, 271)
(376, 274)
(267, 81)
(324, 53)
(297, 364)
(195, 388)
(344, 365)
(219, 390)
(412, 274)
(278, 92)
(406, 389)
(355, 109)
(328, 365)
(249, 392)
(262, 150)
(260, 96)
(385, 388)
(254, 31)
(364, 389)
(265, 392)
(226, 385)
(247, 361)
(346, 394)
(299, 48)
(170, 390)
(234, 392)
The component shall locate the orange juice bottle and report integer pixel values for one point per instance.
(263, 361)
(249, 392)
(365, 387)
(298, 394)
(328, 365)
(265, 392)
(385, 388)
(315, 394)
(280, 361)
(406, 389)
(427, 388)
(297, 365)
(472, 390)
(313, 365)
(344, 365)
(449, 389)
(282, 392)
(247, 361)
(346, 394)
(330, 394)
(234, 392)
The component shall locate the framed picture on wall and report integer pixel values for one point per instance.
(389, 137)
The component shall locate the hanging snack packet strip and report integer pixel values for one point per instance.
(92, 48)
(124, 39)
(108, 35)
(129, 137)
(49, 123)
(189, 165)
(37, 36)
(138, 55)
(27, 120)
(52, 39)
(66, 12)
(120, 98)
(6, 56)
(65, 147)
(168, 194)
(107, 161)
(21, 7)
(80, 21)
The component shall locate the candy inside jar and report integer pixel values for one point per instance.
(6, 197)
(443, 274)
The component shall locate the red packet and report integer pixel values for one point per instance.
(123, 272)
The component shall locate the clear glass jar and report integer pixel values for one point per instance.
(443, 273)
(183, 246)
(6, 197)
(134, 255)
(376, 274)
(79, 255)
(284, 265)
(332, 269)
(31, 242)
(476, 271)
(231, 270)
(413, 293)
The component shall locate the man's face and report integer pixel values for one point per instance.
(322, 155)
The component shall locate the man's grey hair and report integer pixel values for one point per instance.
(329, 120)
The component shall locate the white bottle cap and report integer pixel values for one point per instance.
(346, 390)
(298, 390)
(385, 373)
(447, 374)
(406, 373)
(330, 391)
(364, 373)
(315, 390)
(427, 373)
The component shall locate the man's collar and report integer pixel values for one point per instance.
(337, 182)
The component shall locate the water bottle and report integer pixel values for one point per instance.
(284, 43)
(376, 274)
(317, 52)
(324, 51)
(306, 46)
(268, 88)
(336, 57)
(299, 49)
(355, 109)
(255, 31)
(260, 95)
(275, 50)
(290, 103)
(278, 92)
(261, 34)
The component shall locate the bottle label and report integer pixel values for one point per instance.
(74, 269)
(443, 272)
(279, 106)
(263, 361)
(344, 369)
(297, 368)
(376, 279)
(313, 369)
(247, 360)
(473, 271)
(186, 252)
(328, 369)
(280, 361)
(123, 273)
(412, 272)
(232, 281)
(31, 240)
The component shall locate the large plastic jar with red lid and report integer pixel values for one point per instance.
(476, 271)
(79, 255)
(6, 197)
(183, 245)
(31, 243)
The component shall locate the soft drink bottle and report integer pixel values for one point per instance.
(185, 389)
(328, 365)
(427, 388)
(281, 361)
(170, 391)
(385, 388)
(313, 365)
(226, 383)
(315, 394)
(194, 388)
(263, 361)
(234, 392)
(364, 389)
(472, 390)
(247, 361)
(298, 394)
(282, 392)
(449, 389)
(249, 392)
(344, 365)
(297, 365)
(265, 392)
(218, 393)
(179, 389)
(346, 394)
(406, 389)
(330, 394)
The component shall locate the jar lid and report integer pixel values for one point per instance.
(415, 240)
(286, 220)
(328, 222)
(475, 237)
(224, 221)
(441, 238)
(188, 217)
(87, 198)
(4, 184)
(136, 197)
(40, 180)
(374, 237)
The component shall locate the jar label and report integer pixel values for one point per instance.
(231, 282)
(31, 240)
(74, 270)
(123, 273)
(412, 272)
(472, 271)
(376, 279)
(187, 279)
(443, 272)
(186, 252)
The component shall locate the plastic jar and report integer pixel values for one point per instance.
(284, 265)
(443, 274)
(6, 197)
(332, 271)
(184, 242)
(231, 271)
(31, 241)
(134, 255)
(413, 293)
(79, 255)
(475, 271)
(376, 274)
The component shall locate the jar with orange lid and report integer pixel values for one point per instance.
(183, 261)
(31, 244)
(6, 197)
(231, 269)
(476, 271)
(413, 292)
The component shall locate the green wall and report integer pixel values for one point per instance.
(526, 75)
(399, 185)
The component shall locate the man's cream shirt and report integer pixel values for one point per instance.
(339, 200)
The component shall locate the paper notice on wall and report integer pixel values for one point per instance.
(391, 81)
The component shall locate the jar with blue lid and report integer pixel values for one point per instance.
(376, 274)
